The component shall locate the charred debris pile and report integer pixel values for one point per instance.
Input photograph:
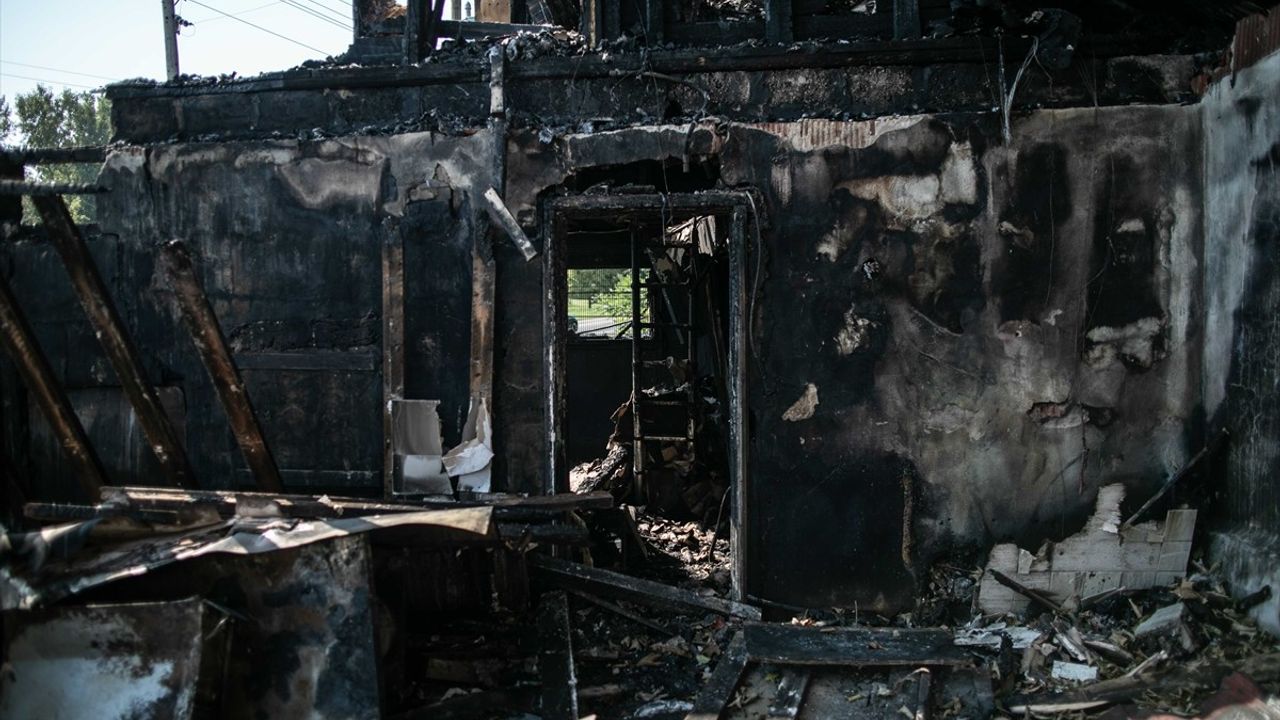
(567, 606)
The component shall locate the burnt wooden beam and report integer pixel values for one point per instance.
(28, 358)
(53, 156)
(778, 21)
(906, 19)
(574, 576)
(61, 513)
(506, 507)
(852, 647)
(119, 348)
(716, 694)
(1025, 591)
(474, 29)
(414, 26)
(786, 704)
(431, 28)
(620, 611)
(393, 352)
(555, 659)
(211, 345)
(739, 327)
(34, 189)
(655, 22)
(1174, 479)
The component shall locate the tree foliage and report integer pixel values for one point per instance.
(42, 118)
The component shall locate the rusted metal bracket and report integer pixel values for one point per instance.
(119, 349)
(212, 346)
(21, 345)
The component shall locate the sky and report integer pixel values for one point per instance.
(82, 44)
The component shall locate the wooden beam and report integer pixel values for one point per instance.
(778, 21)
(856, 647)
(393, 359)
(786, 704)
(574, 576)
(38, 376)
(124, 357)
(906, 19)
(739, 328)
(716, 694)
(655, 23)
(555, 659)
(211, 345)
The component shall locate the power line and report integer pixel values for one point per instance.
(46, 80)
(242, 12)
(60, 70)
(259, 27)
(345, 9)
(314, 14)
(330, 11)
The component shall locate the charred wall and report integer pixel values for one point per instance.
(956, 340)
(1242, 348)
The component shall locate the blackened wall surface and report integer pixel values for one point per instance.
(955, 340)
(1242, 291)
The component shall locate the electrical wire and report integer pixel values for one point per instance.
(242, 12)
(46, 80)
(344, 16)
(258, 27)
(314, 14)
(60, 70)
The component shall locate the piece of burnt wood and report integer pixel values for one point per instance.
(509, 702)
(778, 19)
(54, 156)
(47, 190)
(715, 695)
(623, 612)
(414, 25)
(906, 19)
(393, 352)
(739, 329)
(559, 700)
(786, 704)
(29, 359)
(1174, 479)
(506, 507)
(124, 357)
(1025, 591)
(1262, 669)
(574, 576)
(853, 647)
(431, 29)
(654, 23)
(211, 344)
(61, 513)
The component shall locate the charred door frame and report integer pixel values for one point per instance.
(555, 213)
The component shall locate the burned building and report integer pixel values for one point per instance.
(893, 284)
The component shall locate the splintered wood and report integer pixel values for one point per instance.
(1104, 556)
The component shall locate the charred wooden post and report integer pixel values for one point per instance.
(555, 660)
(716, 694)
(205, 331)
(30, 361)
(21, 187)
(392, 343)
(906, 19)
(778, 21)
(54, 156)
(119, 349)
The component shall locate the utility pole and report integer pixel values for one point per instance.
(170, 38)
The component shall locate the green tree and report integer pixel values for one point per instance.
(6, 120)
(67, 119)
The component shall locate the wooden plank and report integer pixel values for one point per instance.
(31, 364)
(778, 21)
(739, 328)
(655, 22)
(716, 694)
(855, 647)
(555, 659)
(906, 19)
(786, 704)
(119, 348)
(623, 612)
(573, 576)
(211, 345)
(393, 359)
(295, 505)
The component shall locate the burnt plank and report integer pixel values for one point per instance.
(574, 576)
(711, 700)
(119, 348)
(555, 659)
(786, 704)
(211, 344)
(393, 351)
(906, 19)
(29, 359)
(623, 612)
(855, 647)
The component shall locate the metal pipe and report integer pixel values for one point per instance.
(205, 331)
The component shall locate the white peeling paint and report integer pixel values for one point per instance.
(803, 408)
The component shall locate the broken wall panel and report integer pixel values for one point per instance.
(1242, 234)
